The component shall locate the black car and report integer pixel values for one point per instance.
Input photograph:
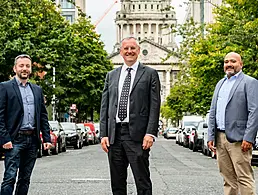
(73, 135)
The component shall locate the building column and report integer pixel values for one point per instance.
(121, 32)
(149, 31)
(142, 33)
(157, 33)
(134, 31)
(128, 30)
(167, 83)
(117, 34)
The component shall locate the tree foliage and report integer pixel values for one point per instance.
(37, 28)
(201, 56)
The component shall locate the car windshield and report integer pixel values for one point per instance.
(70, 126)
(172, 130)
(53, 125)
(81, 126)
(191, 123)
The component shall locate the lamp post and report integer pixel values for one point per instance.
(54, 96)
(48, 66)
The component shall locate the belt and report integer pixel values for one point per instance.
(27, 132)
(220, 130)
(122, 124)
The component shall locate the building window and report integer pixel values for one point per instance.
(133, 6)
(66, 5)
(139, 38)
(145, 6)
(139, 6)
(124, 7)
(145, 52)
(69, 18)
(69, 15)
(151, 6)
(157, 6)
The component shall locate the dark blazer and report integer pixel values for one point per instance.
(241, 114)
(11, 112)
(144, 104)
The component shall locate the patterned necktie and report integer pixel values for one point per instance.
(122, 110)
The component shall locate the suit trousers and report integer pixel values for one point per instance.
(123, 152)
(235, 167)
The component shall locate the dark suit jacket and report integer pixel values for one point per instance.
(144, 104)
(11, 112)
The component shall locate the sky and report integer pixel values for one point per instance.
(107, 29)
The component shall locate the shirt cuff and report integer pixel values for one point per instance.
(154, 137)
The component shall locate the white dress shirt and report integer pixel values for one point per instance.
(123, 74)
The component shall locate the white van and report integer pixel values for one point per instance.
(192, 120)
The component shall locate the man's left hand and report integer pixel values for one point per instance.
(147, 142)
(47, 146)
(246, 146)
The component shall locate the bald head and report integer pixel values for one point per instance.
(232, 64)
(234, 54)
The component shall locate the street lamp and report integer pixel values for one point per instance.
(48, 66)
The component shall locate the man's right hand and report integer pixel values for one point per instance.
(105, 143)
(8, 145)
(211, 146)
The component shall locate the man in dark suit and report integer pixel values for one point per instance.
(22, 116)
(129, 119)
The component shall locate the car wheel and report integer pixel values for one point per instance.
(64, 148)
(77, 145)
(55, 150)
(204, 151)
(194, 148)
(47, 152)
(60, 146)
(191, 146)
(40, 151)
(80, 145)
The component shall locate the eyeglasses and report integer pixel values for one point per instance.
(22, 56)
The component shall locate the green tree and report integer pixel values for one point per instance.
(236, 29)
(38, 29)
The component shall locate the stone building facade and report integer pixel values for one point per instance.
(69, 11)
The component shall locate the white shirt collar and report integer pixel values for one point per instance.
(134, 66)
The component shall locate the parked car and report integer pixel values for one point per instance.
(59, 132)
(92, 137)
(73, 135)
(96, 125)
(186, 134)
(205, 149)
(170, 132)
(178, 136)
(54, 143)
(196, 136)
(84, 134)
(255, 152)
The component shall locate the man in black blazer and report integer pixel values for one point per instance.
(129, 119)
(22, 116)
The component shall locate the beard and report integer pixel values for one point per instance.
(230, 72)
(23, 75)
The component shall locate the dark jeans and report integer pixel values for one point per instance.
(22, 156)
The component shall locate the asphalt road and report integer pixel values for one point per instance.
(174, 171)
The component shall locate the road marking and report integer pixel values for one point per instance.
(90, 179)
